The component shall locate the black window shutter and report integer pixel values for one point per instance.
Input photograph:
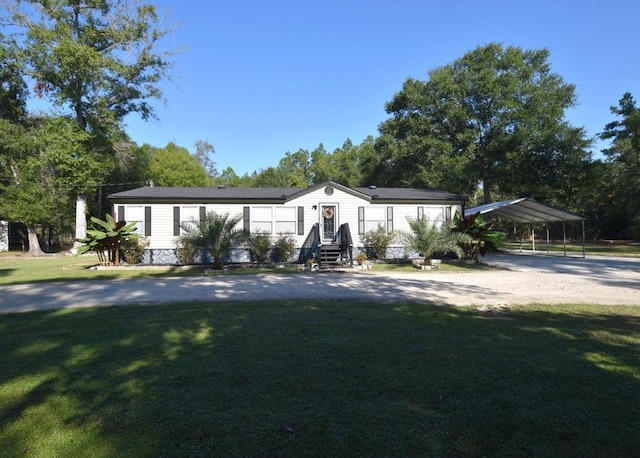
(360, 220)
(147, 221)
(246, 223)
(176, 221)
(300, 220)
(121, 213)
(389, 219)
(203, 213)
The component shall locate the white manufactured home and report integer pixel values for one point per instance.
(321, 217)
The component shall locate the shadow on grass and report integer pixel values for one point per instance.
(86, 273)
(6, 272)
(321, 379)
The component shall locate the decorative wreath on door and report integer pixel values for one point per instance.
(327, 212)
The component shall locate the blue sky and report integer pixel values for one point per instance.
(257, 79)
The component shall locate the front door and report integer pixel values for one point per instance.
(328, 221)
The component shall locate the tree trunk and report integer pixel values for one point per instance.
(487, 193)
(81, 220)
(34, 243)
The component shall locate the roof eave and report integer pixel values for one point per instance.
(332, 184)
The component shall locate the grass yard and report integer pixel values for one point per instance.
(23, 269)
(600, 248)
(320, 379)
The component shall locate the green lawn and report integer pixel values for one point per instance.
(320, 379)
(600, 248)
(23, 269)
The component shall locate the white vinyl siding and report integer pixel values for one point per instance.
(285, 220)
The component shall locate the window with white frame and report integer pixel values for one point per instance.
(189, 216)
(135, 213)
(274, 220)
(262, 219)
(375, 217)
(433, 213)
(285, 220)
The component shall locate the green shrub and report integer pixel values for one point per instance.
(133, 249)
(377, 241)
(285, 244)
(260, 245)
(185, 251)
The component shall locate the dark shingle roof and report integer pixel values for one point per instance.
(171, 193)
(410, 194)
(274, 195)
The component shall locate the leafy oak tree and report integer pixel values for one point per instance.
(93, 60)
(45, 158)
(494, 116)
(173, 165)
(26, 193)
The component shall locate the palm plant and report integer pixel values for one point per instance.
(428, 238)
(106, 237)
(482, 234)
(215, 234)
(260, 244)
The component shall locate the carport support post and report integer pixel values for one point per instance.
(584, 250)
(520, 225)
(547, 226)
(533, 239)
(564, 238)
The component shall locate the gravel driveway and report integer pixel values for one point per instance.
(518, 279)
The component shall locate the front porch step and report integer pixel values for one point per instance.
(331, 255)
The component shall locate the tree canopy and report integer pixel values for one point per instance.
(175, 166)
(623, 184)
(489, 125)
(494, 116)
(94, 62)
(94, 59)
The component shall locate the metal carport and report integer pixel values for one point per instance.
(528, 210)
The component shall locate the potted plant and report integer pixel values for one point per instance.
(310, 262)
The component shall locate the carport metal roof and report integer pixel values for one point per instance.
(528, 210)
(524, 210)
